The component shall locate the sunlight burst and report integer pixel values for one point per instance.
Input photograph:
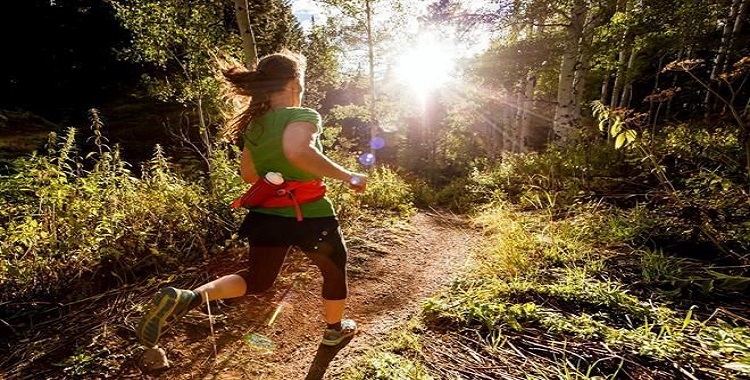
(428, 65)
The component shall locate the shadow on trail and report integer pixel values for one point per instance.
(323, 358)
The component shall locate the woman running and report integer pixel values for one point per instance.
(277, 135)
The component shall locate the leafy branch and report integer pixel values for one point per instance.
(741, 69)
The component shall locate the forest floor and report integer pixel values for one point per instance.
(387, 281)
(393, 266)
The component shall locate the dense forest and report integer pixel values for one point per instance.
(601, 149)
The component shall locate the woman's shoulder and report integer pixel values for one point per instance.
(303, 114)
(301, 110)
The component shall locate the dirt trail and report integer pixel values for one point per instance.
(385, 290)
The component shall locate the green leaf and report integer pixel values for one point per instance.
(620, 141)
(616, 127)
(630, 135)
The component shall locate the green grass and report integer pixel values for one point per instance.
(543, 281)
(398, 357)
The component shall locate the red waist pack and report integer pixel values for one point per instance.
(289, 193)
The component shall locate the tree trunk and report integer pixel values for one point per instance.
(627, 90)
(738, 21)
(528, 105)
(625, 61)
(371, 59)
(584, 65)
(518, 120)
(726, 36)
(668, 113)
(508, 123)
(627, 42)
(721, 55)
(605, 88)
(564, 122)
(496, 134)
(242, 12)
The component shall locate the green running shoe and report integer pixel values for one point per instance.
(333, 337)
(168, 304)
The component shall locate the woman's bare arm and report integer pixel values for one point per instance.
(298, 140)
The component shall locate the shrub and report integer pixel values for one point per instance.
(68, 220)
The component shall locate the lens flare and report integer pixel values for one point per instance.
(277, 312)
(367, 159)
(377, 143)
(259, 341)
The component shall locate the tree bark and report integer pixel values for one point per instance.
(738, 22)
(371, 59)
(564, 122)
(584, 64)
(528, 105)
(508, 123)
(518, 120)
(627, 89)
(605, 88)
(724, 46)
(627, 42)
(242, 12)
(620, 91)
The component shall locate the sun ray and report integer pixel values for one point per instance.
(428, 65)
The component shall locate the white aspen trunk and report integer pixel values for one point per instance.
(619, 76)
(242, 12)
(508, 123)
(564, 122)
(526, 100)
(584, 66)
(726, 40)
(518, 120)
(496, 135)
(738, 21)
(622, 57)
(491, 126)
(721, 55)
(528, 105)
(627, 90)
(371, 61)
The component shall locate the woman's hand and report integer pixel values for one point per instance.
(358, 182)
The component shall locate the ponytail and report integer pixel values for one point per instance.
(254, 88)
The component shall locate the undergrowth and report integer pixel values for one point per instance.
(557, 278)
(77, 227)
(599, 263)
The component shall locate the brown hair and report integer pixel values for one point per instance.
(253, 88)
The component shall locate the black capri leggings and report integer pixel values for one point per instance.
(271, 237)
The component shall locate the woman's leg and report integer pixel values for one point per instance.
(328, 252)
(330, 257)
(229, 286)
(333, 310)
(170, 303)
(335, 289)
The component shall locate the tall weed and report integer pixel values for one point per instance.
(78, 222)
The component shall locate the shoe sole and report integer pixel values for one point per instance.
(151, 324)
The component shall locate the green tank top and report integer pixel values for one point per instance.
(264, 140)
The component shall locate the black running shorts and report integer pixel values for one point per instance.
(272, 236)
